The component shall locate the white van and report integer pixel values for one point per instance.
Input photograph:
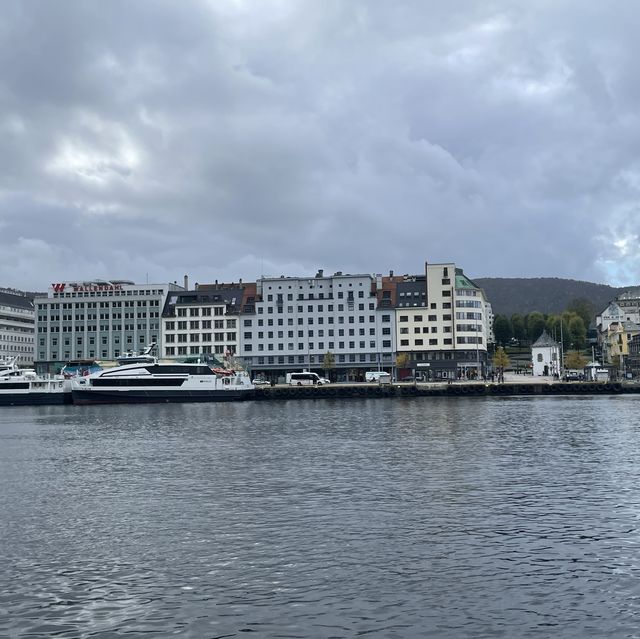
(304, 379)
(377, 376)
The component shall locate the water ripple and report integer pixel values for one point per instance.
(513, 517)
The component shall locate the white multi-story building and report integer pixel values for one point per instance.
(97, 319)
(298, 320)
(17, 327)
(442, 323)
(204, 321)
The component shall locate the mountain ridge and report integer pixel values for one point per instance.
(509, 295)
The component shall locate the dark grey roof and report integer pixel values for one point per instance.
(545, 340)
(229, 296)
(18, 301)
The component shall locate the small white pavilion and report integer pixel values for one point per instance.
(545, 354)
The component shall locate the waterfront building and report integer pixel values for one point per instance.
(623, 309)
(612, 313)
(616, 341)
(17, 327)
(293, 322)
(443, 322)
(97, 319)
(545, 355)
(204, 321)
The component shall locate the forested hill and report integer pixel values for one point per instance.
(544, 294)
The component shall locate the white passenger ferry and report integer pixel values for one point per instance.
(142, 379)
(23, 387)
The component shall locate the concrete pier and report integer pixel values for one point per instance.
(455, 389)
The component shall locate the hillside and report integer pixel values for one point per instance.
(544, 294)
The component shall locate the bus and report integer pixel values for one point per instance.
(303, 379)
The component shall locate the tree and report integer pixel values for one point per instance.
(328, 363)
(402, 360)
(518, 328)
(502, 329)
(577, 332)
(575, 360)
(535, 325)
(584, 309)
(500, 362)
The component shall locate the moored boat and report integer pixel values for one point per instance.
(80, 368)
(23, 387)
(142, 379)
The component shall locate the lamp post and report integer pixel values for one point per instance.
(477, 354)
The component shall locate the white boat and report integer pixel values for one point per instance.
(23, 387)
(142, 379)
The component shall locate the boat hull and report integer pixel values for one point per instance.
(156, 396)
(34, 399)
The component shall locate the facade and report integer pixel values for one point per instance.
(545, 355)
(443, 322)
(97, 319)
(294, 321)
(17, 327)
(616, 344)
(610, 323)
(204, 321)
(613, 313)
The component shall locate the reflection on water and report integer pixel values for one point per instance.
(514, 517)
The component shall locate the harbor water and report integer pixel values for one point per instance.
(413, 517)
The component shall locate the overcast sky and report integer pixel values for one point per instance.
(226, 139)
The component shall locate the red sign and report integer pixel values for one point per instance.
(85, 288)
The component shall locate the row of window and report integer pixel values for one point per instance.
(311, 296)
(310, 346)
(197, 324)
(153, 326)
(447, 341)
(92, 340)
(69, 306)
(404, 330)
(204, 311)
(172, 351)
(181, 338)
(420, 318)
(310, 309)
(310, 333)
(79, 317)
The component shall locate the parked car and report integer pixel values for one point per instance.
(324, 380)
(260, 382)
(409, 378)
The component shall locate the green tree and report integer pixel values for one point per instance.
(575, 360)
(577, 332)
(328, 363)
(552, 326)
(535, 325)
(583, 308)
(518, 328)
(502, 329)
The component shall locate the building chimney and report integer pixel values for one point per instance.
(186, 282)
(390, 273)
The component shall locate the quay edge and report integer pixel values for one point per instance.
(444, 390)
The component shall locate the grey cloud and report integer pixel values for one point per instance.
(227, 140)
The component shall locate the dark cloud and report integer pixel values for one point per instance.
(230, 140)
